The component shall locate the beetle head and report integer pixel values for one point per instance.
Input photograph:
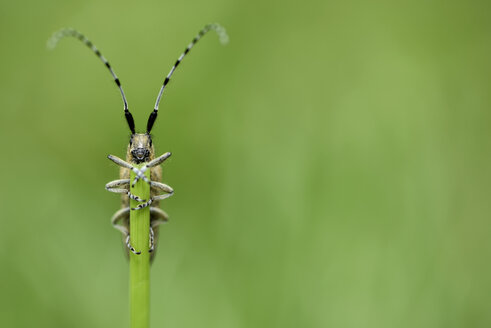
(140, 149)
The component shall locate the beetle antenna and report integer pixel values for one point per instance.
(223, 37)
(57, 36)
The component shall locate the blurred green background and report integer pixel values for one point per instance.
(331, 164)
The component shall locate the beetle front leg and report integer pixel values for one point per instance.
(139, 173)
(157, 161)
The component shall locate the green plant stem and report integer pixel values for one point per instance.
(140, 264)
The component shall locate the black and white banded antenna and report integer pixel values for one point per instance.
(57, 36)
(222, 36)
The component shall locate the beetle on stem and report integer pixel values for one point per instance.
(140, 149)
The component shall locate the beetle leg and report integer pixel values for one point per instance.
(160, 186)
(157, 161)
(138, 172)
(123, 183)
(118, 216)
(151, 241)
(111, 186)
(158, 217)
(129, 245)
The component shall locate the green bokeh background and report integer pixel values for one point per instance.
(331, 164)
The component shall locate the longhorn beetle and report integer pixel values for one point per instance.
(140, 149)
